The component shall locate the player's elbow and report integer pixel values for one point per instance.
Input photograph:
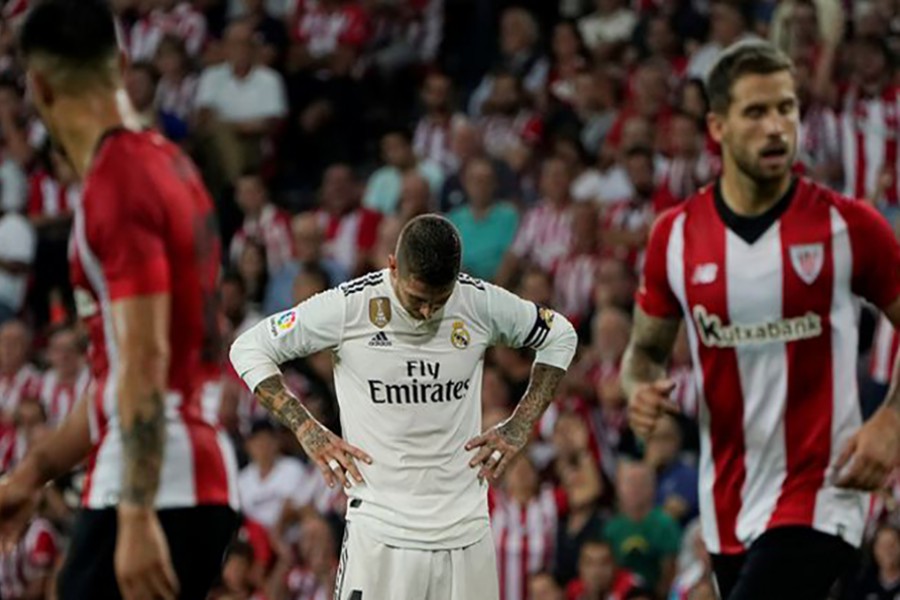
(147, 361)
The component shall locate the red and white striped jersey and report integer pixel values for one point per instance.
(177, 98)
(772, 323)
(182, 22)
(32, 558)
(59, 397)
(350, 236)
(131, 240)
(15, 388)
(884, 351)
(47, 198)
(13, 446)
(573, 285)
(502, 134)
(820, 139)
(544, 236)
(431, 141)
(524, 536)
(273, 230)
(322, 29)
(869, 130)
(302, 584)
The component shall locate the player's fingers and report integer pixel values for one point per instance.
(670, 406)
(336, 466)
(354, 451)
(856, 474)
(481, 456)
(844, 456)
(160, 586)
(326, 471)
(500, 469)
(491, 463)
(350, 467)
(663, 386)
(171, 577)
(477, 441)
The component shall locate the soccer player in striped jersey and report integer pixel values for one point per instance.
(767, 270)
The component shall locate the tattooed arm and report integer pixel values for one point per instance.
(644, 370)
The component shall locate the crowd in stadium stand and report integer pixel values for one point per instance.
(551, 133)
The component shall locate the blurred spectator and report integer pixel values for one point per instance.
(328, 34)
(270, 31)
(615, 285)
(251, 266)
(693, 101)
(19, 380)
(510, 129)
(827, 14)
(802, 37)
(591, 114)
(238, 105)
(383, 189)
(30, 421)
(18, 244)
(415, 197)
(650, 100)
(66, 381)
(237, 581)
(520, 56)
(270, 480)
(663, 42)
(599, 577)
(177, 86)
(141, 82)
(18, 152)
(694, 569)
(676, 481)
(869, 123)
(524, 519)
(350, 230)
(263, 222)
(314, 575)
(882, 582)
(27, 568)
(308, 246)
(544, 236)
(576, 273)
(644, 539)
(690, 166)
(627, 222)
(819, 149)
(729, 22)
(433, 134)
(309, 282)
(608, 27)
(486, 224)
(570, 59)
(167, 17)
(239, 314)
(543, 586)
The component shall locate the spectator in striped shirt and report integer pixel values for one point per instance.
(18, 378)
(313, 576)
(177, 86)
(26, 569)
(67, 379)
(575, 275)
(263, 221)
(431, 140)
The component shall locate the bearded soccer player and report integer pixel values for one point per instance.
(158, 501)
(408, 344)
(768, 270)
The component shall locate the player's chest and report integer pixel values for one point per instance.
(779, 288)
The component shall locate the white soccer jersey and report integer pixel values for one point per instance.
(409, 393)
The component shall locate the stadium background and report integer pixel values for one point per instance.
(551, 133)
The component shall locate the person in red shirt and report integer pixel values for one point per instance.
(159, 496)
(767, 270)
(598, 576)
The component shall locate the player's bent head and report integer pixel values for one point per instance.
(429, 250)
(71, 46)
(751, 57)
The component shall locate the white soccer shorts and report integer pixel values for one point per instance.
(371, 570)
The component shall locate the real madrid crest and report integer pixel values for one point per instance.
(459, 336)
(380, 311)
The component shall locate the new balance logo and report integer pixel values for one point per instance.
(380, 340)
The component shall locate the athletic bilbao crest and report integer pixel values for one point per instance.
(807, 260)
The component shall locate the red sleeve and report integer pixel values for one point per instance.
(35, 196)
(533, 131)
(875, 251)
(368, 229)
(355, 32)
(654, 295)
(125, 231)
(42, 555)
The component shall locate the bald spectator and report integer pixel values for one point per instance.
(383, 190)
(19, 380)
(487, 226)
(239, 103)
(644, 539)
(308, 238)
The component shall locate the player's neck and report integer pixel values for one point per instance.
(748, 197)
(82, 121)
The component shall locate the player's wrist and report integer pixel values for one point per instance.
(130, 512)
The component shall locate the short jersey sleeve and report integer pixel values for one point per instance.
(313, 325)
(655, 295)
(126, 234)
(875, 251)
(517, 323)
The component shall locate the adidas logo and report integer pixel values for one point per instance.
(380, 340)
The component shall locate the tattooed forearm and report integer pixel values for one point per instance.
(538, 396)
(648, 350)
(143, 443)
(282, 403)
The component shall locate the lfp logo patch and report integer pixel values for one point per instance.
(281, 324)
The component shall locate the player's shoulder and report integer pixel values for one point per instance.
(363, 286)
(852, 212)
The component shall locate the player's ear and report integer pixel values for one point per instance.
(123, 62)
(392, 264)
(715, 122)
(40, 88)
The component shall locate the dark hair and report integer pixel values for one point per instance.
(241, 549)
(430, 250)
(234, 278)
(317, 273)
(78, 31)
(881, 46)
(148, 69)
(639, 152)
(399, 131)
(751, 57)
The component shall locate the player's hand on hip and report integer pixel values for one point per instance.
(498, 446)
(871, 454)
(17, 505)
(647, 404)
(333, 456)
(142, 561)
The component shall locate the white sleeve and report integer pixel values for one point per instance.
(206, 90)
(517, 323)
(313, 325)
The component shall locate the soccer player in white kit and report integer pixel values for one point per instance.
(408, 345)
